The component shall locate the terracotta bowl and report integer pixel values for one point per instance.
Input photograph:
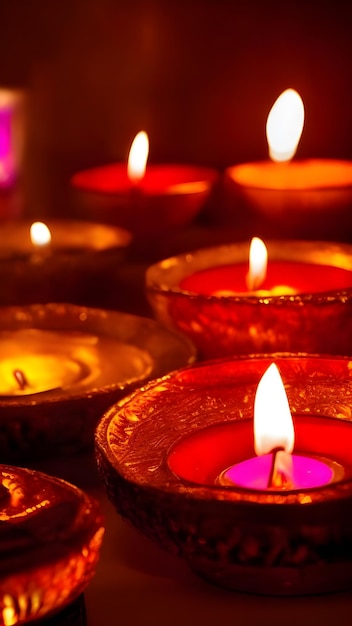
(113, 353)
(170, 197)
(247, 323)
(78, 266)
(50, 539)
(160, 450)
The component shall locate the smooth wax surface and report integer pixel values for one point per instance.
(296, 175)
(158, 179)
(307, 472)
(202, 456)
(66, 362)
(301, 277)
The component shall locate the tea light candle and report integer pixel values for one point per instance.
(309, 197)
(50, 539)
(307, 285)
(162, 474)
(146, 199)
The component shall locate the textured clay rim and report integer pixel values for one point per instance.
(163, 278)
(85, 520)
(324, 500)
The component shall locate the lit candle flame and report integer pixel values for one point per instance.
(284, 125)
(273, 426)
(137, 159)
(258, 261)
(40, 234)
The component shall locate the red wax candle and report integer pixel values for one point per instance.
(167, 197)
(298, 277)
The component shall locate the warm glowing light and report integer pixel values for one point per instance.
(40, 234)
(137, 159)
(273, 426)
(9, 613)
(258, 261)
(284, 125)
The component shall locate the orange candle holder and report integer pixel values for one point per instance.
(62, 366)
(50, 540)
(184, 294)
(160, 472)
(309, 199)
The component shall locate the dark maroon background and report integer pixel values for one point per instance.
(199, 75)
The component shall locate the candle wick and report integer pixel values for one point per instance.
(276, 477)
(20, 379)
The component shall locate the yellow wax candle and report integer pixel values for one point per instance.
(36, 361)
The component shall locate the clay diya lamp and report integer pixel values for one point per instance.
(306, 288)
(149, 200)
(50, 538)
(244, 504)
(59, 261)
(308, 198)
(62, 366)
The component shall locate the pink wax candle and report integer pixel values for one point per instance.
(307, 472)
(10, 136)
(275, 467)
